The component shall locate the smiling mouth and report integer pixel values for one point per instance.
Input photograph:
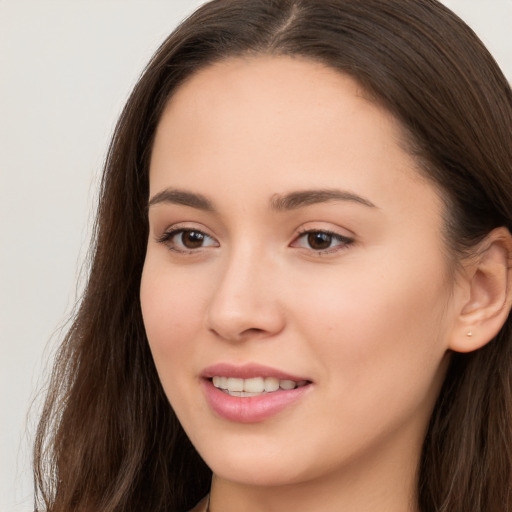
(255, 386)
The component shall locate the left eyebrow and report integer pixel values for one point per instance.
(302, 198)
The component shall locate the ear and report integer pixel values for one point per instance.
(487, 293)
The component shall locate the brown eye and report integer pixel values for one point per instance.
(187, 240)
(319, 241)
(192, 239)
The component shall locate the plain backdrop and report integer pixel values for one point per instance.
(66, 68)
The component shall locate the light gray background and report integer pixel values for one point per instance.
(66, 69)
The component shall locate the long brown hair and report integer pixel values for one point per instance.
(108, 439)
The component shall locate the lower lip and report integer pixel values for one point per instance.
(251, 409)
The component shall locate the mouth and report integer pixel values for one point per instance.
(254, 386)
(252, 393)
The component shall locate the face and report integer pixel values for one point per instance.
(295, 291)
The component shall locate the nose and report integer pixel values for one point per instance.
(246, 302)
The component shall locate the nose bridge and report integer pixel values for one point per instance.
(245, 300)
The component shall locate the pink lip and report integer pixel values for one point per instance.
(249, 409)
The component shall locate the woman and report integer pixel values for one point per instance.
(301, 277)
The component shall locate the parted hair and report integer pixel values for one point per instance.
(108, 440)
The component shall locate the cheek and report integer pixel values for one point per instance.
(372, 330)
(378, 346)
(171, 309)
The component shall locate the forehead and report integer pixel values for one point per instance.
(271, 124)
(298, 88)
(277, 98)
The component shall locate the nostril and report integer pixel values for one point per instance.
(253, 330)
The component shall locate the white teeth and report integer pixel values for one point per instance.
(254, 386)
(271, 384)
(287, 384)
(235, 384)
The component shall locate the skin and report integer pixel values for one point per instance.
(368, 322)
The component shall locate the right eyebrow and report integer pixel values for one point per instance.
(176, 196)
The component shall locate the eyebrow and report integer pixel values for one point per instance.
(300, 199)
(182, 197)
(291, 201)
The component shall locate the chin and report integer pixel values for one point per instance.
(267, 473)
(259, 462)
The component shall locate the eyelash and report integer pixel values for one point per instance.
(167, 239)
(344, 241)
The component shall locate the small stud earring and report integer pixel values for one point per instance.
(469, 334)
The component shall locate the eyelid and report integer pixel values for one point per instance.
(175, 229)
(344, 240)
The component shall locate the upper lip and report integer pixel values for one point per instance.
(248, 371)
